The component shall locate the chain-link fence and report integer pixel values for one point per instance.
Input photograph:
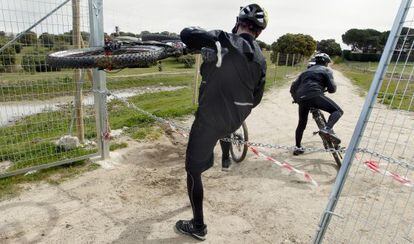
(47, 115)
(376, 204)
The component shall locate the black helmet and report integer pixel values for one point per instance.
(322, 58)
(255, 14)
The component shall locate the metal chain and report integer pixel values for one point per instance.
(175, 126)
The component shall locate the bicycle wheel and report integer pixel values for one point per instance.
(336, 155)
(96, 57)
(238, 150)
(321, 123)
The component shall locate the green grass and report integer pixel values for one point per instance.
(395, 93)
(30, 141)
(117, 145)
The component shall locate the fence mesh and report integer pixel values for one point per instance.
(376, 204)
(37, 101)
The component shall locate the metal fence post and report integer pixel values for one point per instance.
(361, 124)
(99, 78)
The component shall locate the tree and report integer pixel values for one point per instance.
(143, 33)
(48, 40)
(330, 47)
(366, 40)
(28, 38)
(301, 44)
(263, 45)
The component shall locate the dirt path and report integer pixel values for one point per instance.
(138, 198)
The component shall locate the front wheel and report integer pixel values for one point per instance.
(97, 57)
(238, 149)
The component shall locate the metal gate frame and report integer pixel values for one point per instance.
(362, 121)
(99, 88)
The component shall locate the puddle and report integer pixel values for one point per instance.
(12, 111)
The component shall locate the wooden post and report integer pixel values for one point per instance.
(293, 60)
(88, 71)
(287, 60)
(196, 78)
(276, 65)
(76, 38)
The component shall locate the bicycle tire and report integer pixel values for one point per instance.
(96, 57)
(160, 37)
(245, 137)
(321, 122)
(336, 155)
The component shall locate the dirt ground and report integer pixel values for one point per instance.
(139, 195)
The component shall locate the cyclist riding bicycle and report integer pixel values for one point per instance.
(308, 91)
(228, 93)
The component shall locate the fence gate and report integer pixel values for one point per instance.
(376, 203)
(48, 116)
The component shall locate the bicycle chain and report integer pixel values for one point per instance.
(175, 126)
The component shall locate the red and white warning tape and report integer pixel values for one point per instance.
(285, 165)
(260, 154)
(374, 167)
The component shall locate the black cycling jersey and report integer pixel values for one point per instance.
(312, 83)
(228, 93)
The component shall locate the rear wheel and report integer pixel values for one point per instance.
(238, 150)
(96, 57)
(327, 143)
(336, 155)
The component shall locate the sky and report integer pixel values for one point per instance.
(322, 19)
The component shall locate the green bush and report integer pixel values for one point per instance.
(337, 60)
(7, 59)
(17, 47)
(187, 60)
(361, 57)
(36, 62)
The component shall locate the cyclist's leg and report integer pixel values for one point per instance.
(326, 104)
(199, 157)
(303, 120)
(196, 194)
(225, 157)
(225, 148)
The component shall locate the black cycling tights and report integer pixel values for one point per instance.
(195, 193)
(225, 148)
(320, 102)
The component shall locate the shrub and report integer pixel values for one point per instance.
(337, 60)
(7, 59)
(17, 47)
(187, 60)
(36, 62)
(361, 57)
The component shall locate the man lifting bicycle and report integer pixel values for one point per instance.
(308, 91)
(227, 96)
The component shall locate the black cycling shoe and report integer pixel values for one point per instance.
(298, 151)
(187, 227)
(225, 164)
(329, 133)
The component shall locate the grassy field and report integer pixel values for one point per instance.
(30, 141)
(396, 91)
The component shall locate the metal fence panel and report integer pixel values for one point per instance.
(375, 204)
(39, 116)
